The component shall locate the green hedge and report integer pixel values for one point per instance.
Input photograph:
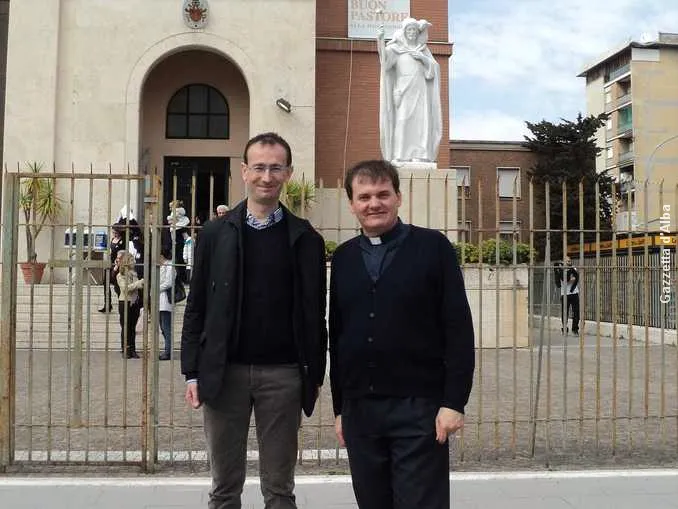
(487, 250)
(473, 252)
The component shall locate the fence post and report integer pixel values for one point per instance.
(10, 230)
(77, 268)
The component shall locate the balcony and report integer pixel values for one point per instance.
(622, 100)
(618, 72)
(625, 130)
(626, 157)
(619, 102)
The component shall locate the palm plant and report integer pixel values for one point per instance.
(39, 202)
(299, 195)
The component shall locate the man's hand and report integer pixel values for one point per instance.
(448, 421)
(338, 429)
(191, 395)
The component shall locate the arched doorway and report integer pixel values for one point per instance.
(194, 124)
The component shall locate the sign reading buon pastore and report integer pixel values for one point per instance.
(364, 16)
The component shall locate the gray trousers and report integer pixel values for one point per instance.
(274, 392)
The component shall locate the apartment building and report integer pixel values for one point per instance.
(635, 85)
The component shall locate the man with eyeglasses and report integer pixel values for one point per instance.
(254, 335)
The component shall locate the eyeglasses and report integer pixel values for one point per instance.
(275, 169)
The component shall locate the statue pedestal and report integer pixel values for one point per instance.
(412, 166)
(429, 197)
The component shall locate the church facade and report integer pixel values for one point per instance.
(174, 88)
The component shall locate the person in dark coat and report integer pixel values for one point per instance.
(254, 336)
(401, 349)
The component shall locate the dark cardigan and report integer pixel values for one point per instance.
(408, 334)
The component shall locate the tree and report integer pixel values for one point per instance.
(566, 152)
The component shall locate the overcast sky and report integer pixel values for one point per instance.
(518, 60)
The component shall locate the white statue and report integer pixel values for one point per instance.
(410, 116)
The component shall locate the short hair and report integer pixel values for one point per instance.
(222, 207)
(269, 138)
(375, 169)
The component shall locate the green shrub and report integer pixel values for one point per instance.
(468, 251)
(472, 253)
(330, 248)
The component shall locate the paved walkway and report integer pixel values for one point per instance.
(630, 489)
(598, 402)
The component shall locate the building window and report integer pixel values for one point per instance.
(463, 181)
(464, 231)
(197, 112)
(610, 152)
(608, 124)
(608, 96)
(508, 231)
(507, 178)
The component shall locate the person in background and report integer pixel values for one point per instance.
(129, 302)
(132, 239)
(221, 210)
(165, 308)
(116, 244)
(189, 246)
(568, 278)
(178, 222)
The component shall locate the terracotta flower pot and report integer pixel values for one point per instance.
(32, 272)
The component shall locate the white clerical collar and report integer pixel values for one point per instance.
(375, 241)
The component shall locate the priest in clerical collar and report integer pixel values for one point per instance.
(401, 348)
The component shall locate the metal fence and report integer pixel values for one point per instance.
(622, 289)
(68, 397)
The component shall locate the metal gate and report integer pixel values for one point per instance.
(68, 394)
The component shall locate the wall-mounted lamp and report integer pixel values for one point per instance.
(284, 105)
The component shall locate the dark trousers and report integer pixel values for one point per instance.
(109, 279)
(395, 460)
(166, 328)
(572, 310)
(274, 393)
(129, 315)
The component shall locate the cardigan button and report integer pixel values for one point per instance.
(371, 388)
(370, 339)
(371, 315)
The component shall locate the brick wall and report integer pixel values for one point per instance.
(347, 87)
(484, 158)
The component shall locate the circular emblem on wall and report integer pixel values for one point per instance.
(195, 13)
